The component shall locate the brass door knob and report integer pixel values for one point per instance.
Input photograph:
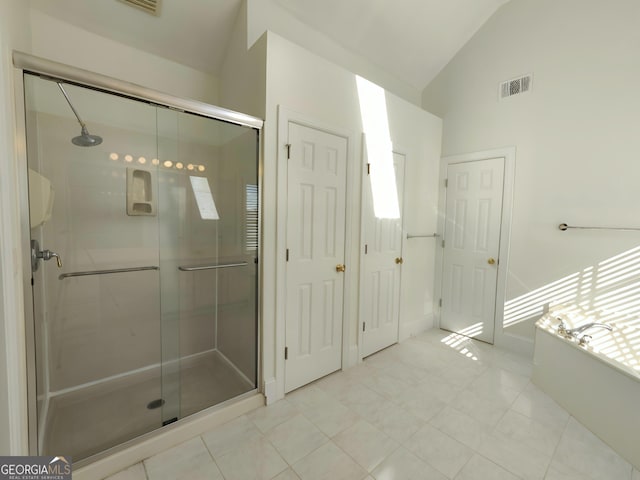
(491, 261)
(399, 260)
(340, 268)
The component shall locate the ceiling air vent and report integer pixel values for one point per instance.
(515, 86)
(149, 6)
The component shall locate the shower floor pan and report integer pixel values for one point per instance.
(88, 421)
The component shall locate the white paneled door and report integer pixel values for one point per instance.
(382, 265)
(472, 245)
(316, 189)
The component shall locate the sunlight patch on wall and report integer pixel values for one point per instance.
(204, 199)
(607, 292)
(375, 121)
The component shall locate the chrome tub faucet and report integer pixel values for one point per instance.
(574, 333)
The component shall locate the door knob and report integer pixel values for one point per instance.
(491, 261)
(340, 268)
(399, 260)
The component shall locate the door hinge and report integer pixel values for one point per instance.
(440, 303)
(368, 169)
(364, 326)
(442, 243)
(286, 353)
(287, 254)
(366, 248)
(446, 182)
(288, 146)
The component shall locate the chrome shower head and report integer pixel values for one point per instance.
(85, 139)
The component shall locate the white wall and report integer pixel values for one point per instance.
(576, 135)
(65, 43)
(243, 73)
(266, 15)
(311, 86)
(14, 34)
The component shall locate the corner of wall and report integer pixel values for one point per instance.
(14, 35)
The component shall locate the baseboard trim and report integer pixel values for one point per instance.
(271, 391)
(411, 329)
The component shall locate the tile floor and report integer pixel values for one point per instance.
(434, 407)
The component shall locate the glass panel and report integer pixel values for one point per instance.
(97, 333)
(208, 236)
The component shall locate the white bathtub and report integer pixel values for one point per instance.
(598, 384)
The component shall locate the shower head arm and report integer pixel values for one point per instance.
(64, 92)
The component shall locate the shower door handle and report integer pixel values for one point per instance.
(37, 254)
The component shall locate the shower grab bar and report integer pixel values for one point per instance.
(105, 272)
(433, 235)
(564, 227)
(196, 268)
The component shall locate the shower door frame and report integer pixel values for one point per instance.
(50, 70)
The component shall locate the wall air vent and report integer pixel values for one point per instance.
(149, 6)
(515, 86)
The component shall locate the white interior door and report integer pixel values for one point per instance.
(382, 267)
(472, 244)
(316, 187)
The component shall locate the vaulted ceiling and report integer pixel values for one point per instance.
(412, 39)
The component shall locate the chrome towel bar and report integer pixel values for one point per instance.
(196, 268)
(433, 235)
(564, 227)
(106, 272)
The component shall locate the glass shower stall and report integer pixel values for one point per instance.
(144, 235)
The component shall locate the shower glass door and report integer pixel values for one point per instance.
(208, 256)
(150, 315)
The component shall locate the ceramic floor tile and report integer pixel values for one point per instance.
(362, 400)
(498, 378)
(407, 372)
(516, 457)
(331, 417)
(488, 412)
(335, 385)
(583, 451)
(438, 387)
(534, 403)
(309, 397)
(254, 460)
(386, 385)
(479, 468)
(288, 474)
(424, 406)
(267, 417)
(396, 422)
(439, 450)
(329, 463)
(135, 472)
(514, 363)
(225, 438)
(190, 460)
(366, 444)
(295, 438)
(542, 437)
(558, 471)
(403, 465)
(461, 427)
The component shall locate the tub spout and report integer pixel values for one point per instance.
(574, 332)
